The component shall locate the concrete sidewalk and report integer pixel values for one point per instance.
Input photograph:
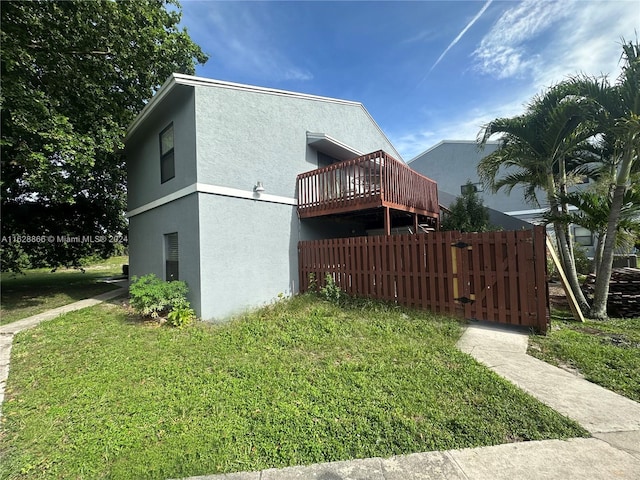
(613, 420)
(9, 330)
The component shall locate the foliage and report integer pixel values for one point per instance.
(583, 264)
(606, 353)
(181, 317)
(151, 297)
(313, 282)
(331, 290)
(467, 213)
(300, 381)
(39, 290)
(74, 75)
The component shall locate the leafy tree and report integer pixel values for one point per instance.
(74, 75)
(539, 150)
(467, 213)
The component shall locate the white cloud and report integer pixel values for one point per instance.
(503, 51)
(546, 41)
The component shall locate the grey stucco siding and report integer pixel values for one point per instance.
(452, 164)
(248, 136)
(143, 150)
(147, 242)
(248, 254)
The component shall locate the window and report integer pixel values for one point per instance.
(471, 188)
(171, 257)
(583, 236)
(167, 165)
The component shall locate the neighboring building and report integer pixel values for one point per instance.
(452, 163)
(213, 187)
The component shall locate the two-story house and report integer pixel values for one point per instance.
(225, 179)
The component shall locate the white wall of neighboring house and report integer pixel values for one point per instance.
(452, 163)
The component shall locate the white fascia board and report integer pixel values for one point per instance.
(442, 142)
(209, 82)
(327, 144)
(249, 195)
(183, 192)
(535, 211)
(214, 190)
(167, 87)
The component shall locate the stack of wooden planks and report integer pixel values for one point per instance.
(624, 292)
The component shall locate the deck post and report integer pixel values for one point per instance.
(387, 221)
(415, 223)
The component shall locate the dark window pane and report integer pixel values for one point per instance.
(167, 167)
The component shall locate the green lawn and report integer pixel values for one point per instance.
(39, 290)
(99, 394)
(606, 353)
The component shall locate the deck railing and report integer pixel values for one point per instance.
(369, 181)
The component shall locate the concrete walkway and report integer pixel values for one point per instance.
(9, 330)
(612, 453)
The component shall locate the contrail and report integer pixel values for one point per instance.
(461, 34)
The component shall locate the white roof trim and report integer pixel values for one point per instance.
(214, 190)
(442, 142)
(329, 145)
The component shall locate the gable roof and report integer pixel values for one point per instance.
(450, 142)
(177, 79)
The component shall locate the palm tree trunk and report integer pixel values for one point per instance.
(569, 268)
(599, 249)
(601, 292)
(566, 259)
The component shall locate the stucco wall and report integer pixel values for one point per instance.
(146, 242)
(245, 251)
(143, 149)
(451, 164)
(248, 136)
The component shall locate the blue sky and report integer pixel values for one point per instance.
(426, 70)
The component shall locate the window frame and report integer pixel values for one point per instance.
(167, 158)
(583, 235)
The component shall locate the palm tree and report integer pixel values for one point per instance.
(619, 124)
(536, 149)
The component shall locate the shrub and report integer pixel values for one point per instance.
(331, 291)
(150, 296)
(181, 316)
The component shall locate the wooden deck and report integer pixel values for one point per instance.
(370, 181)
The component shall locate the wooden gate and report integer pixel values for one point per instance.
(494, 276)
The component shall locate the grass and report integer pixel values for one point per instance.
(40, 290)
(606, 353)
(99, 394)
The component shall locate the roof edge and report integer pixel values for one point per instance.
(442, 142)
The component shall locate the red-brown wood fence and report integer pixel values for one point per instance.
(494, 276)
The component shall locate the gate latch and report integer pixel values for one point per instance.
(461, 244)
